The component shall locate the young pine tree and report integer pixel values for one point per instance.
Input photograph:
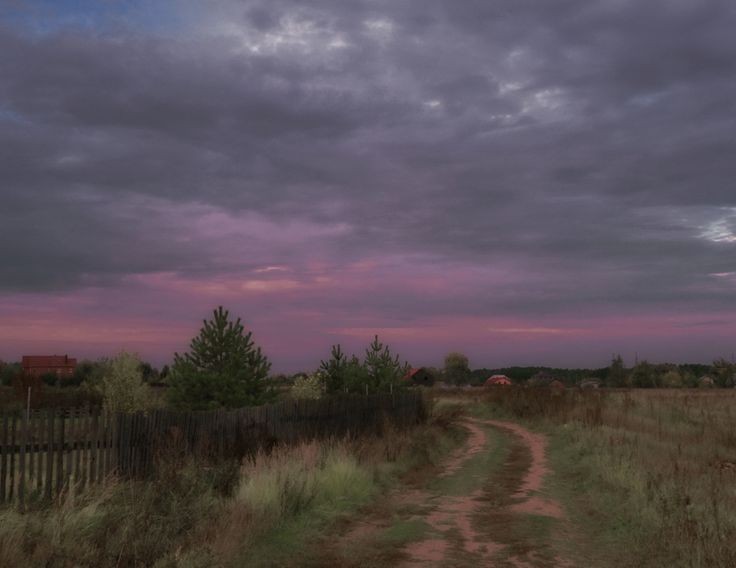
(334, 370)
(223, 368)
(384, 370)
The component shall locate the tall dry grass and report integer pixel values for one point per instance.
(650, 474)
(259, 512)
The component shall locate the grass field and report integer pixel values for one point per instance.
(648, 477)
(645, 478)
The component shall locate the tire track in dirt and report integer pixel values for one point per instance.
(533, 479)
(487, 526)
(516, 513)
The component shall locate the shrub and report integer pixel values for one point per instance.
(122, 386)
(50, 379)
(308, 387)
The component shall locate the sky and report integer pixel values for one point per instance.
(530, 183)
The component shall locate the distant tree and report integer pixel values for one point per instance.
(163, 376)
(90, 373)
(223, 368)
(617, 373)
(643, 375)
(724, 373)
(122, 386)
(149, 372)
(457, 370)
(689, 379)
(8, 371)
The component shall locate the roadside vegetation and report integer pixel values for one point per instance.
(648, 477)
(266, 511)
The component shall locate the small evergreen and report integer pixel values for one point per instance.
(333, 370)
(223, 368)
(380, 371)
(384, 369)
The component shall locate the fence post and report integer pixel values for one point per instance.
(60, 457)
(49, 453)
(3, 457)
(13, 441)
(22, 463)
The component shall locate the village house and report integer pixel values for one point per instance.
(419, 376)
(62, 366)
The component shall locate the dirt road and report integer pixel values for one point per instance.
(486, 507)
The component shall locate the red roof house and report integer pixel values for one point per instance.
(62, 366)
(498, 380)
(419, 376)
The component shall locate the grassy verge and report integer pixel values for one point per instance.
(648, 478)
(267, 512)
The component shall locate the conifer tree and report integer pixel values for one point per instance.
(334, 369)
(223, 368)
(384, 369)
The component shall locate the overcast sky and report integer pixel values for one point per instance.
(528, 182)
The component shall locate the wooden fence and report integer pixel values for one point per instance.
(44, 453)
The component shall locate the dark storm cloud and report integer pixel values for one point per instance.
(590, 144)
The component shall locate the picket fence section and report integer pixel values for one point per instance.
(44, 453)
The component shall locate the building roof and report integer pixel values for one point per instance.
(410, 374)
(498, 380)
(31, 361)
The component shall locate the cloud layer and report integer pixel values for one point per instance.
(446, 166)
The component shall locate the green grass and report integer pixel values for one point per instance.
(475, 471)
(271, 511)
(647, 477)
(405, 531)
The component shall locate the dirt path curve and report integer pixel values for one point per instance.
(452, 515)
(483, 508)
(508, 493)
(533, 479)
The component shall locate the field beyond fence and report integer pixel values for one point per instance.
(44, 453)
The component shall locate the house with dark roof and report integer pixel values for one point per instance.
(419, 376)
(62, 366)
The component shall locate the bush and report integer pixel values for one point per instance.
(50, 379)
(122, 386)
(310, 387)
(7, 372)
